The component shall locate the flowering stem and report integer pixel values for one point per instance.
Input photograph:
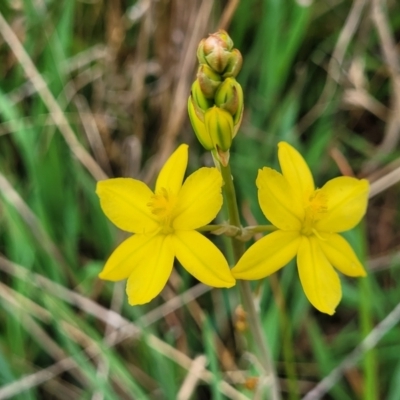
(262, 228)
(242, 234)
(247, 296)
(209, 228)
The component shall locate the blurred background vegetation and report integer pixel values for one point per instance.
(96, 88)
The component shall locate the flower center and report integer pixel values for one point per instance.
(316, 208)
(161, 205)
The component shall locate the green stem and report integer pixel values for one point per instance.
(286, 334)
(233, 210)
(262, 228)
(370, 363)
(247, 296)
(234, 231)
(209, 228)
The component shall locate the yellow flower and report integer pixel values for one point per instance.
(164, 224)
(308, 221)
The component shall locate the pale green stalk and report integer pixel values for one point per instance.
(209, 228)
(237, 232)
(261, 228)
(259, 338)
(370, 361)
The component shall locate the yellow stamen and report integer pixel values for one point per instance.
(162, 204)
(317, 206)
(317, 234)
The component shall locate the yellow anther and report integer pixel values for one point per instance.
(319, 202)
(162, 204)
(317, 206)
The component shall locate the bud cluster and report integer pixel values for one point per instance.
(216, 100)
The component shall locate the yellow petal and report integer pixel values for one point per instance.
(320, 282)
(152, 271)
(199, 200)
(202, 259)
(126, 257)
(347, 202)
(124, 201)
(277, 201)
(341, 255)
(267, 255)
(296, 171)
(173, 171)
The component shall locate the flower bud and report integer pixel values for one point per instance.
(199, 98)
(219, 125)
(227, 96)
(224, 38)
(209, 81)
(216, 50)
(216, 102)
(196, 116)
(234, 64)
(200, 52)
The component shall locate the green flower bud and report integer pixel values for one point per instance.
(216, 50)
(219, 125)
(200, 52)
(209, 81)
(199, 98)
(234, 64)
(227, 96)
(216, 102)
(237, 121)
(225, 39)
(196, 116)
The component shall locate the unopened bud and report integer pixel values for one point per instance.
(216, 50)
(209, 80)
(234, 64)
(199, 98)
(219, 125)
(224, 38)
(200, 52)
(196, 116)
(216, 102)
(227, 96)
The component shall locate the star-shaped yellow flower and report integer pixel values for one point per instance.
(308, 221)
(164, 224)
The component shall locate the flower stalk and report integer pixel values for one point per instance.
(245, 289)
